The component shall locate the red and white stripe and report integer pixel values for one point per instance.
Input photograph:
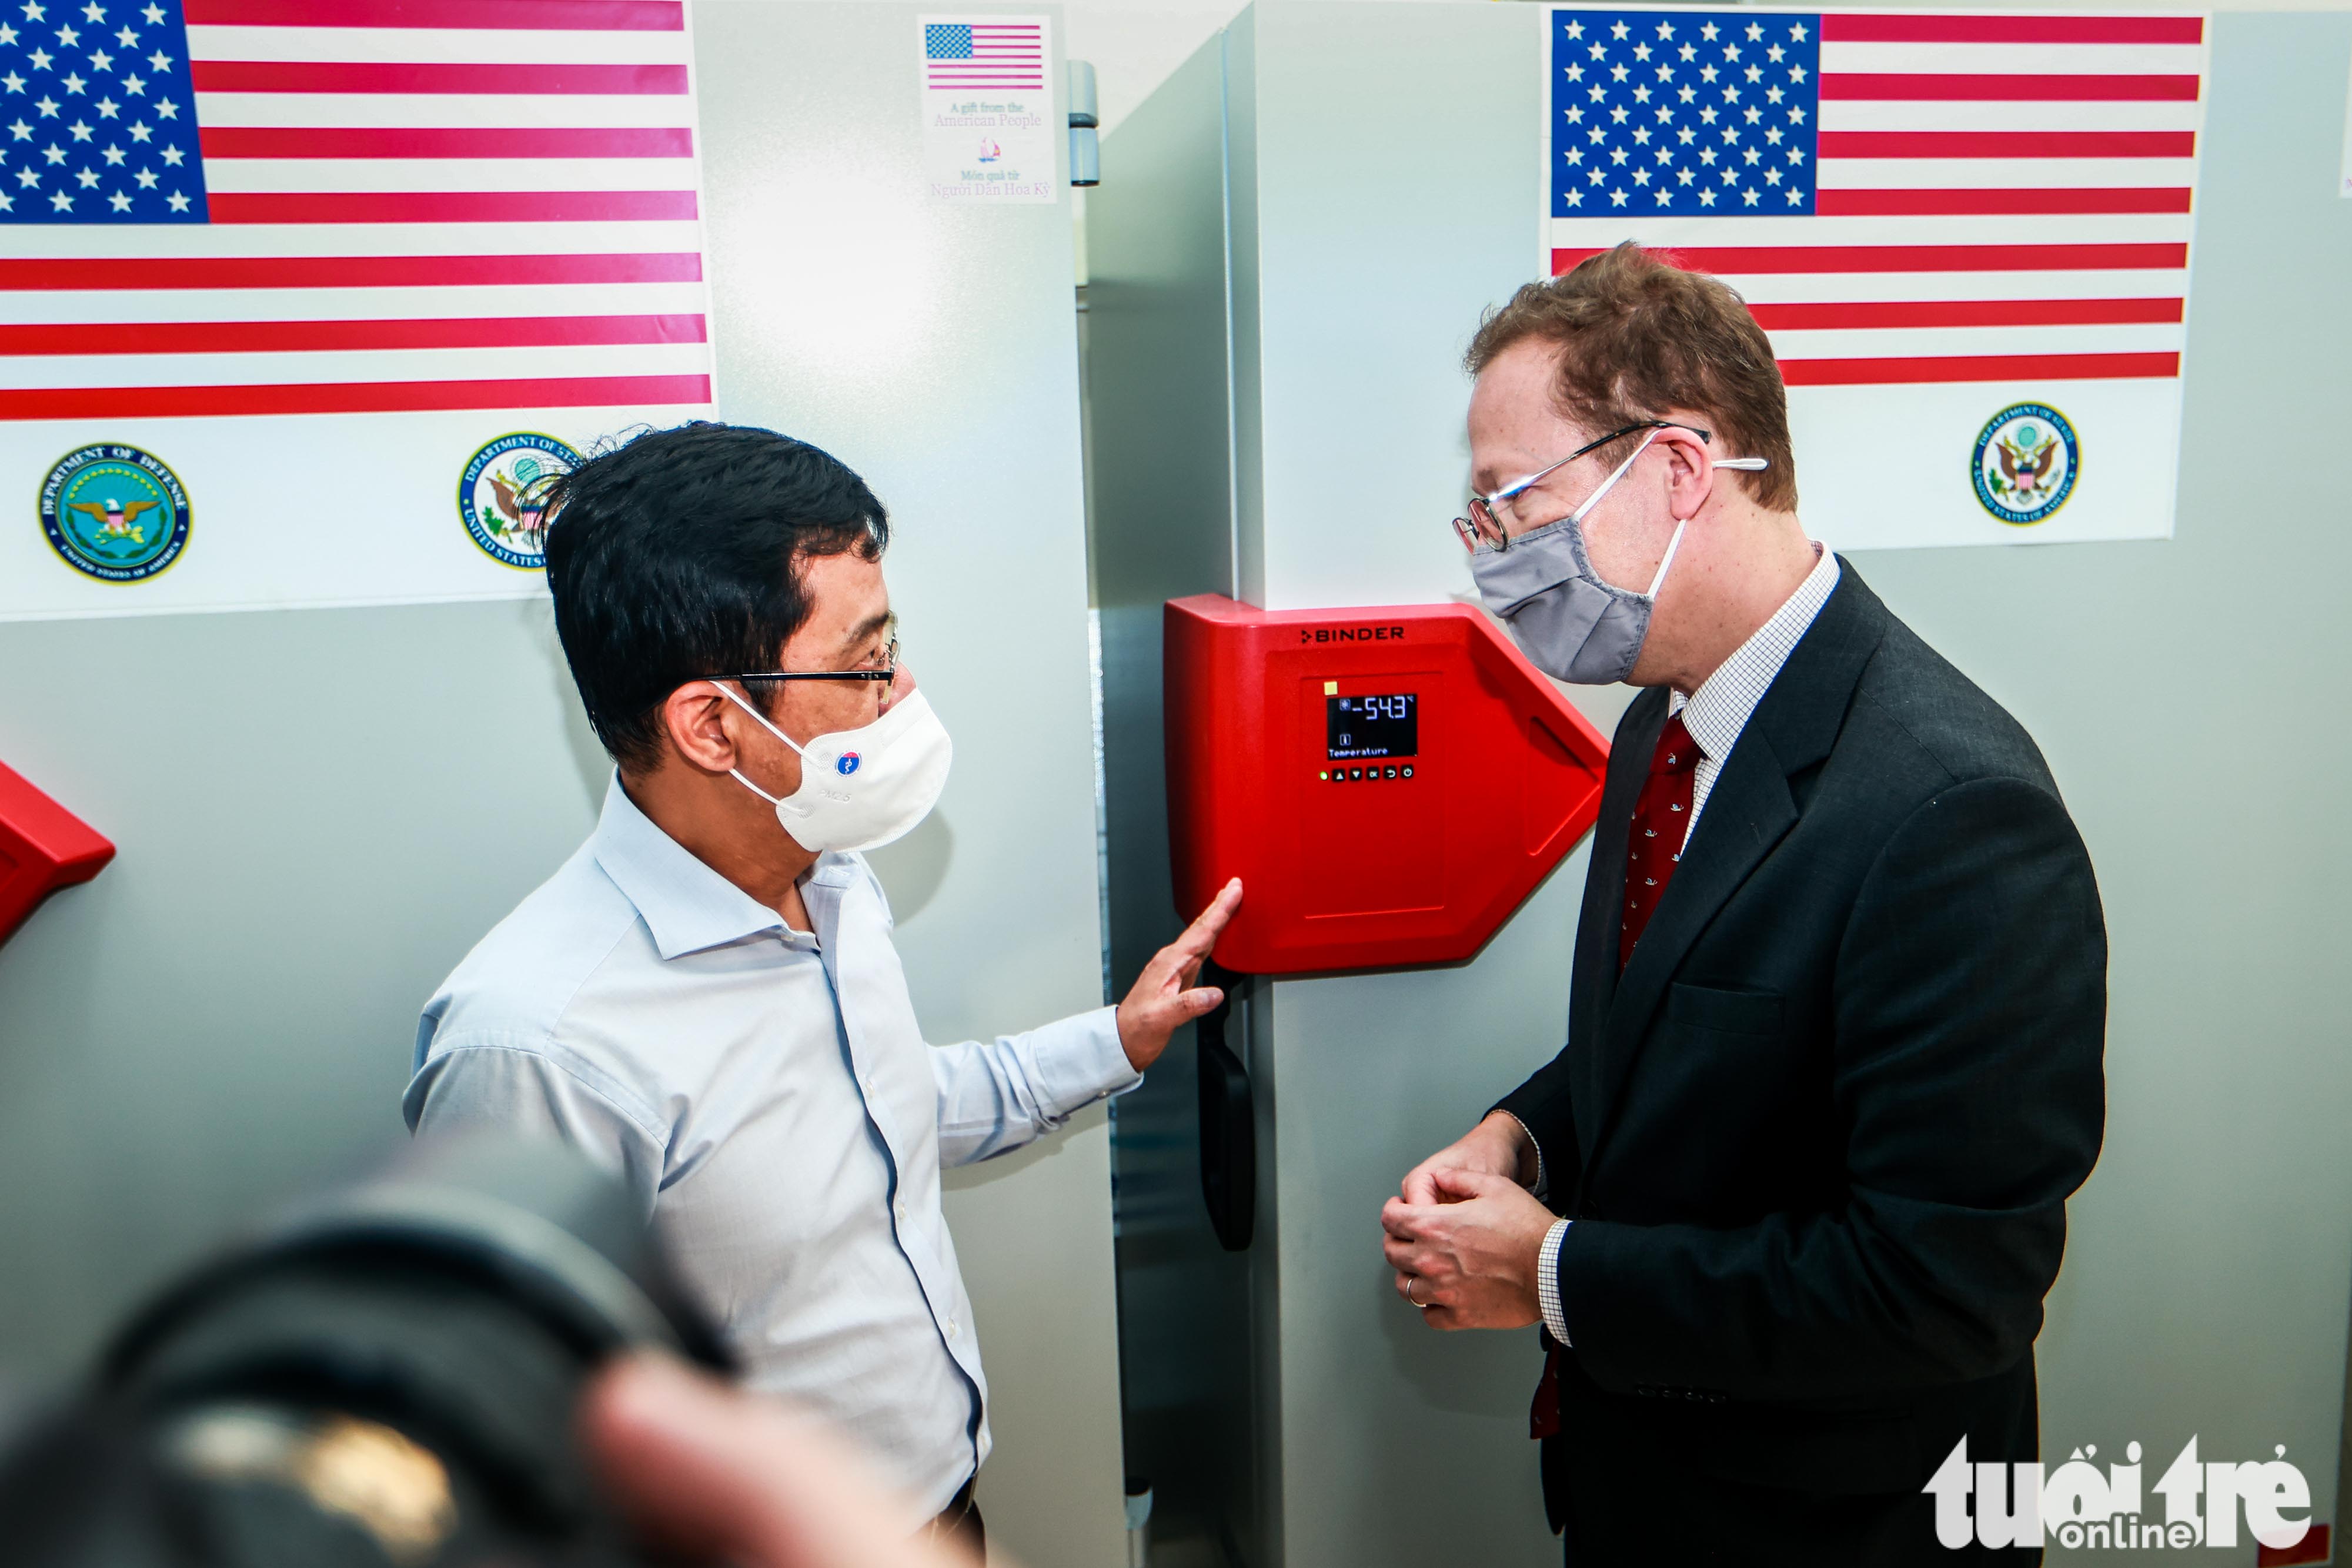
(1008, 57)
(2000, 196)
(415, 204)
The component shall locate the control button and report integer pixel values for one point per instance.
(1391, 773)
(1355, 773)
(1408, 770)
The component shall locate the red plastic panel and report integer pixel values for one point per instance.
(43, 847)
(1356, 862)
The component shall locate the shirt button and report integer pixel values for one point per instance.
(899, 1209)
(952, 1328)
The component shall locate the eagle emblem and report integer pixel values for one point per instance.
(2027, 460)
(523, 504)
(115, 513)
(503, 493)
(118, 519)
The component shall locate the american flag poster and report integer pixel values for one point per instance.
(306, 302)
(990, 134)
(1966, 234)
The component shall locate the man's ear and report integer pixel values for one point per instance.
(1690, 471)
(694, 716)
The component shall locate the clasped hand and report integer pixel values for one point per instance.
(1465, 1235)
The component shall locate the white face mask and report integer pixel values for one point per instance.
(861, 788)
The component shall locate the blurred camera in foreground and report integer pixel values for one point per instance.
(387, 1379)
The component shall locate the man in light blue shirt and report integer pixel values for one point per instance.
(705, 997)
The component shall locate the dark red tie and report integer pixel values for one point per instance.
(1661, 821)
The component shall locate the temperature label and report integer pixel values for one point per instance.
(1387, 725)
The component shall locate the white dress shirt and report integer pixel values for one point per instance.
(1715, 715)
(768, 1095)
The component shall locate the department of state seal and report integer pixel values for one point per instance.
(2026, 460)
(115, 513)
(502, 496)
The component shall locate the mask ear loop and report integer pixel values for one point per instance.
(763, 721)
(1577, 517)
(1747, 464)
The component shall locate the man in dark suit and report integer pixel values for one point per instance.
(1789, 1199)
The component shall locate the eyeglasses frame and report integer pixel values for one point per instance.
(889, 672)
(1467, 529)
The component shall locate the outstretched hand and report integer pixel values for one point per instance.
(1164, 997)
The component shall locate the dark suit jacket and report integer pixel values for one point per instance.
(1817, 1141)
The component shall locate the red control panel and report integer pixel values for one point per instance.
(1389, 783)
(43, 847)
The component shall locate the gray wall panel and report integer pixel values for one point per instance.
(317, 812)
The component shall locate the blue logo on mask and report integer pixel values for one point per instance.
(847, 763)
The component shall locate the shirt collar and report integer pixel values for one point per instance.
(687, 905)
(1720, 708)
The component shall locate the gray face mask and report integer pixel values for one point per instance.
(1573, 624)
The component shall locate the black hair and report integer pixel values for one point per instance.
(676, 555)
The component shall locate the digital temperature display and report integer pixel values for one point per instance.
(1385, 726)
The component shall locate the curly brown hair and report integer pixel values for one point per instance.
(1640, 335)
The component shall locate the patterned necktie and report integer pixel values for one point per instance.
(1661, 821)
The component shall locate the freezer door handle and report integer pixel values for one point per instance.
(1228, 1125)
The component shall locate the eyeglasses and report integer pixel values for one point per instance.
(1492, 515)
(889, 671)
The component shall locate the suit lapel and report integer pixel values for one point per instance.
(1750, 811)
(1594, 980)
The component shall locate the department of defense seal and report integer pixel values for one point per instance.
(115, 513)
(2026, 460)
(502, 496)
